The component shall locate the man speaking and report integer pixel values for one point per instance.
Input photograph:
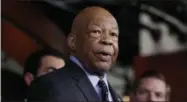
(94, 43)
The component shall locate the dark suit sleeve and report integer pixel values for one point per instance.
(40, 90)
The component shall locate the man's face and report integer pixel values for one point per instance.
(49, 64)
(98, 43)
(151, 90)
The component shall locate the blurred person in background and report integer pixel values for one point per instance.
(151, 86)
(42, 62)
(38, 63)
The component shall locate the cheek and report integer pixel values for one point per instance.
(91, 44)
(116, 50)
(87, 50)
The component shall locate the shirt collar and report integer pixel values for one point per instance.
(93, 78)
(75, 60)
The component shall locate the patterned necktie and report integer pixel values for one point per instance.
(104, 91)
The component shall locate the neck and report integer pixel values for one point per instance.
(90, 70)
(93, 71)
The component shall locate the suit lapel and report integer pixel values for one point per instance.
(83, 83)
(87, 89)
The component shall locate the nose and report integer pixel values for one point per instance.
(151, 98)
(106, 40)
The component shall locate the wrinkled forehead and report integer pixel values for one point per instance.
(103, 22)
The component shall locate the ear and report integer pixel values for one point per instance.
(71, 41)
(28, 78)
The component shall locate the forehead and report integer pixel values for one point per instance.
(153, 84)
(103, 21)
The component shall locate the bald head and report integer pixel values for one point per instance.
(88, 14)
(94, 38)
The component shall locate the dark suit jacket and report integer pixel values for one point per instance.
(66, 84)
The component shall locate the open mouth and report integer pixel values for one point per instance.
(104, 56)
(105, 53)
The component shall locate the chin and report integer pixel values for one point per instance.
(104, 67)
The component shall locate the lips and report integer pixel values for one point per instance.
(104, 55)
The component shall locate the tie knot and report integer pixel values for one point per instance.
(102, 84)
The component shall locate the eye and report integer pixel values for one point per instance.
(159, 95)
(95, 33)
(114, 34)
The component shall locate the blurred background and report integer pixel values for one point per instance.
(153, 35)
